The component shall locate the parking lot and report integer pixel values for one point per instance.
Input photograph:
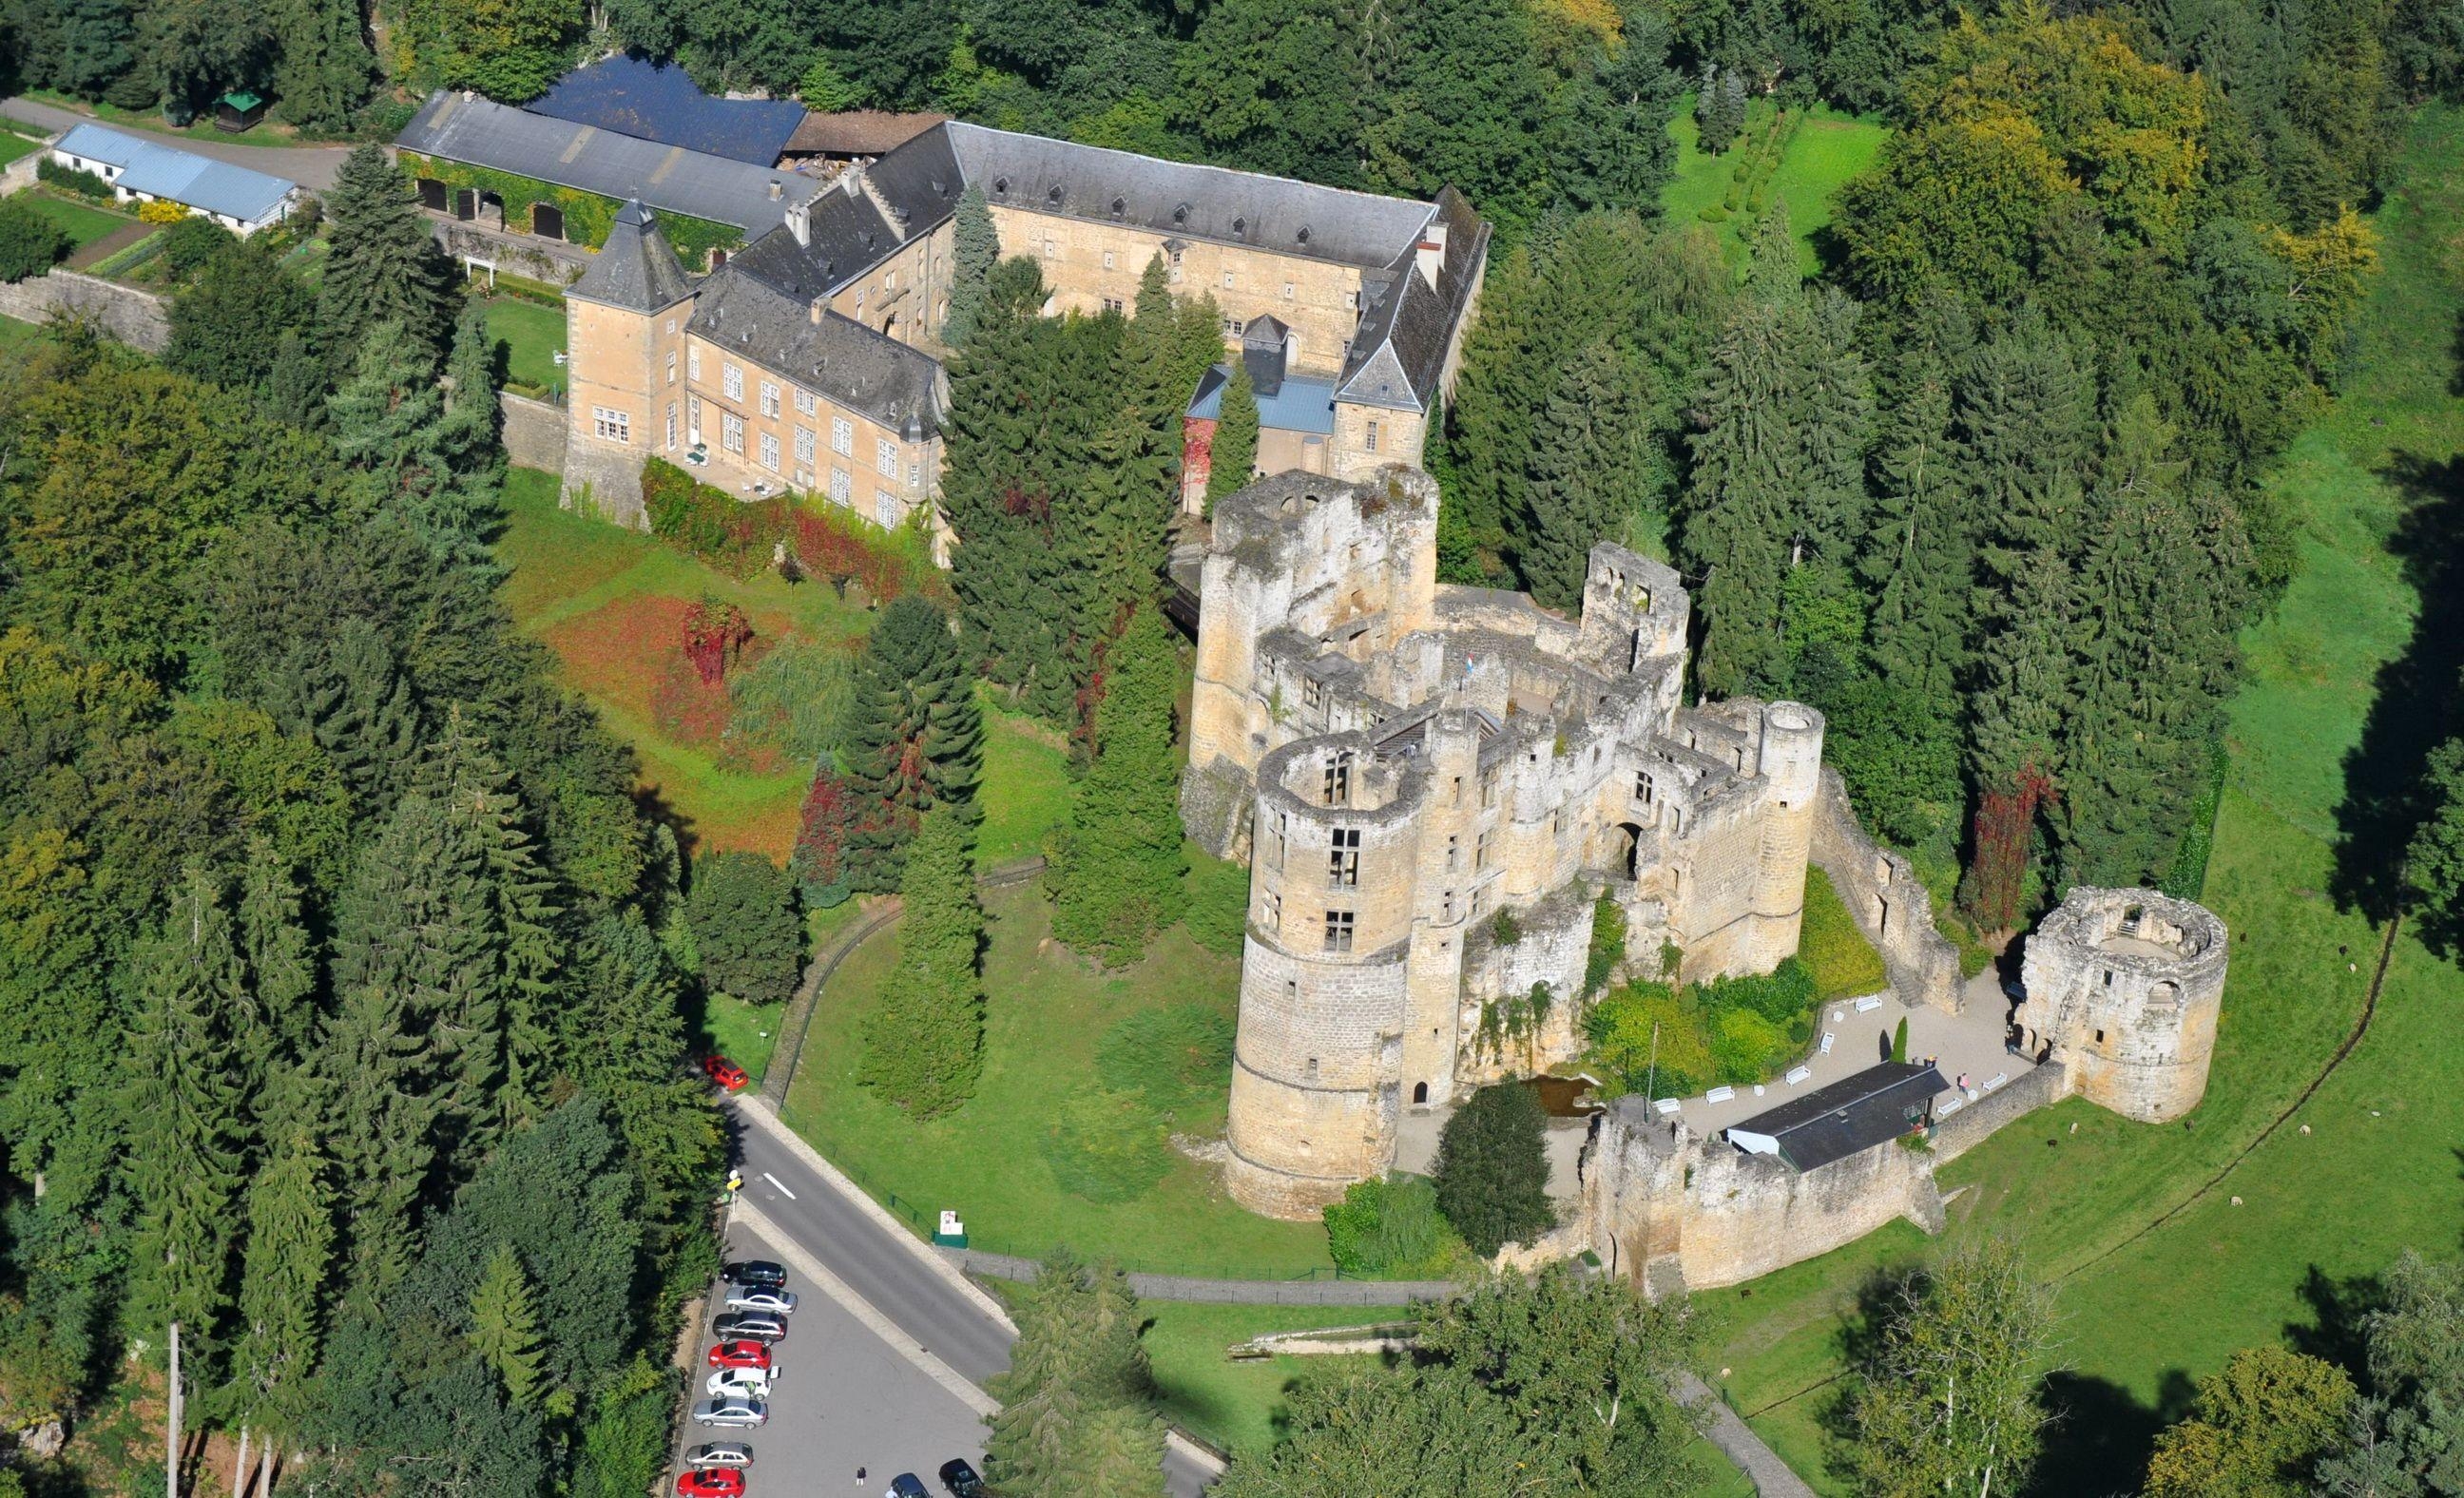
(842, 1399)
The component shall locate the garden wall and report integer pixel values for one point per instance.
(1975, 1122)
(533, 432)
(131, 315)
(516, 255)
(1888, 903)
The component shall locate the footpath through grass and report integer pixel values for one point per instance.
(2160, 1278)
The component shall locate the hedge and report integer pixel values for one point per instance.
(587, 215)
(740, 537)
(68, 179)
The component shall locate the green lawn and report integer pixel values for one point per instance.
(84, 222)
(17, 334)
(2147, 1310)
(533, 337)
(989, 1160)
(1826, 150)
(13, 146)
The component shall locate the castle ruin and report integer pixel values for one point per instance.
(2124, 987)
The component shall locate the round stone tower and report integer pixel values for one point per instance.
(1790, 764)
(1324, 977)
(2123, 989)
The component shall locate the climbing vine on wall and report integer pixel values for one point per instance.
(1514, 1020)
(587, 215)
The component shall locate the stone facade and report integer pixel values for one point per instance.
(135, 317)
(2123, 991)
(1888, 903)
(1401, 763)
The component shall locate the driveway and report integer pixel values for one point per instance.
(311, 166)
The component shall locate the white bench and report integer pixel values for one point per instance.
(1827, 1038)
(1997, 1079)
(1667, 1106)
(1950, 1108)
(1718, 1095)
(1796, 1074)
(1869, 1003)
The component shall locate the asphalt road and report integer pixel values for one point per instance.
(844, 1401)
(311, 166)
(892, 1276)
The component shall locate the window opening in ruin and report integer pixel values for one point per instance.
(1343, 859)
(1882, 917)
(1273, 912)
(1489, 787)
(1480, 851)
(1643, 789)
(2164, 993)
(1446, 907)
(1339, 930)
(1454, 845)
(1339, 780)
(1478, 900)
(2130, 921)
(2099, 1037)
(1677, 820)
(1458, 801)
(1291, 990)
(1419, 1091)
(1313, 692)
(1313, 1068)
(2108, 977)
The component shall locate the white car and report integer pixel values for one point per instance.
(755, 1297)
(748, 1383)
(735, 1411)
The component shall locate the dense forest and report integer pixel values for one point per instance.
(338, 1016)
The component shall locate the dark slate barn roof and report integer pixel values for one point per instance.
(659, 102)
(480, 132)
(839, 357)
(636, 267)
(1399, 353)
(1179, 198)
(1856, 1112)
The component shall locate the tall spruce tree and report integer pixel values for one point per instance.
(273, 939)
(384, 267)
(392, 427)
(324, 69)
(284, 1278)
(1235, 450)
(1593, 469)
(186, 1121)
(471, 433)
(1115, 871)
(923, 1046)
(914, 736)
(1077, 1401)
(504, 1327)
(974, 248)
(348, 692)
(1132, 487)
(1740, 502)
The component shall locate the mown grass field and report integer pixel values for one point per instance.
(2161, 1271)
(1828, 149)
(84, 223)
(533, 335)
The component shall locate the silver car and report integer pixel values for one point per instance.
(720, 1453)
(755, 1297)
(733, 1411)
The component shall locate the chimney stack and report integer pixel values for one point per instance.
(816, 309)
(774, 190)
(1433, 252)
(799, 223)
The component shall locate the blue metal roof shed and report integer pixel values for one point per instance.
(183, 177)
(659, 102)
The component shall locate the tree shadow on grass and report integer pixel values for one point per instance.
(2413, 696)
(2339, 1328)
(2099, 1435)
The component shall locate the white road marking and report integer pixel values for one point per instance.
(782, 1190)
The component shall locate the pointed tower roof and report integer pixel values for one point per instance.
(636, 269)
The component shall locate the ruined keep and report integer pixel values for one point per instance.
(1432, 786)
(2124, 988)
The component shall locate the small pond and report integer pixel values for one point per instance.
(1565, 1097)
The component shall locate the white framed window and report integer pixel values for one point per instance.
(884, 509)
(672, 426)
(611, 426)
(770, 451)
(890, 280)
(805, 445)
(842, 436)
(692, 418)
(805, 478)
(805, 402)
(769, 399)
(1227, 281)
(1287, 291)
(692, 364)
(1108, 260)
(1115, 304)
(671, 367)
(1233, 326)
(885, 457)
(1372, 441)
(914, 472)
(731, 382)
(840, 488)
(731, 432)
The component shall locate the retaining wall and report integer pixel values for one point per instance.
(131, 315)
(1976, 1122)
(1890, 905)
(535, 432)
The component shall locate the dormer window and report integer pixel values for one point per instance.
(1180, 213)
(1119, 206)
(1053, 194)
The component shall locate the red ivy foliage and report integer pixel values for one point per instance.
(2006, 826)
(832, 816)
(715, 632)
(744, 537)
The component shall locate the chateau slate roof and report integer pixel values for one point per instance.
(1180, 198)
(636, 268)
(660, 101)
(845, 236)
(895, 385)
(480, 132)
(165, 171)
(1398, 355)
(1856, 1112)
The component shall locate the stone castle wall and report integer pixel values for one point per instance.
(135, 317)
(1890, 905)
(2124, 989)
(535, 432)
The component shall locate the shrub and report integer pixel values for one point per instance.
(1713, 214)
(1608, 944)
(1492, 1177)
(686, 710)
(1215, 908)
(1899, 1042)
(1630, 1028)
(1506, 930)
(1746, 1046)
(68, 179)
(793, 700)
(742, 537)
(831, 815)
(1389, 1227)
(1843, 964)
(715, 632)
(1779, 996)
(1106, 1147)
(1175, 1057)
(160, 210)
(742, 911)
(30, 244)
(191, 242)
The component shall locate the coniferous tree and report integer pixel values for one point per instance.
(1235, 450)
(348, 693)
(1593, 471)
(1836, 422)
(742, 913)
(1740, 500)
(385, 269)
(392, 427)
(504, 1327)
(1115, 871)
(923, 1046)
(1077, 1402)
(1492, 1172)
(914, 736)
(227, 325)
(1133, 488)
(472, 425)
(324, 69)
(186, 1119)
(294, 382)
(974, 248)
(285, 1275)
(274, 939)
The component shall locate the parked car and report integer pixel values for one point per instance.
(756, 1297)
(725, 1072)
(745, 1353)
(733, 1411)
(961, 1480)
(752, 1383)
(755, 1271)
(752, 1325)
(906, 1484)
(720, 1453)
(719, 1482)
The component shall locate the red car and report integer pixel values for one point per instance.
(712, 1481)
(725, 1072)
(740, 1354)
